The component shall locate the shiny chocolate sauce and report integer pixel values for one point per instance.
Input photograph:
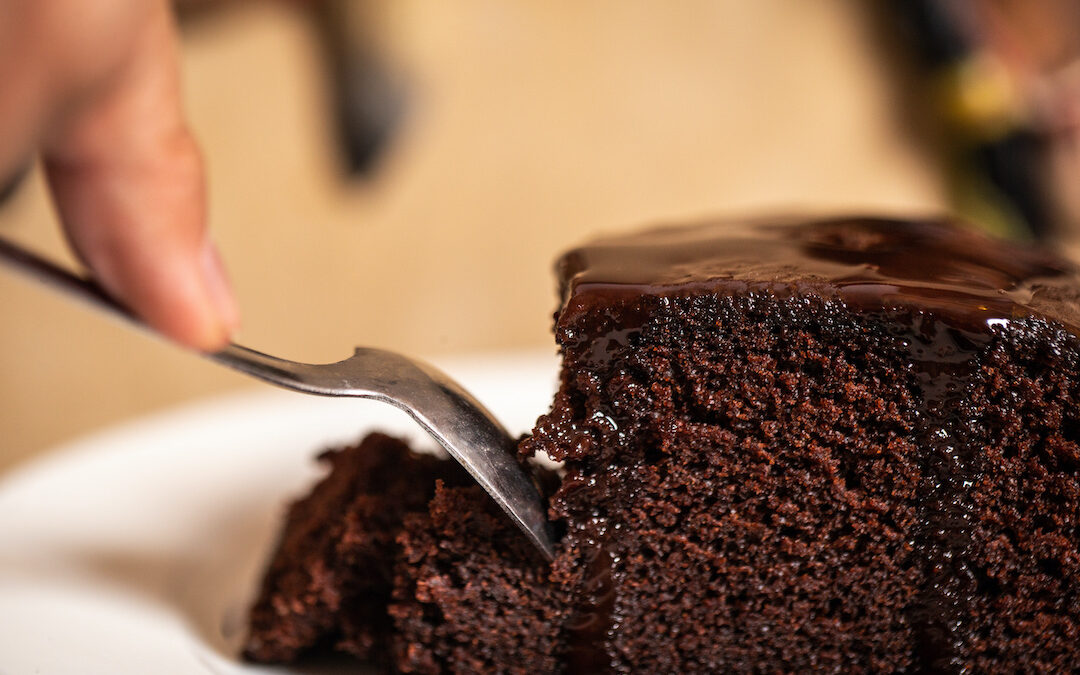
(941, 289)
(868, 263)
(591, 620)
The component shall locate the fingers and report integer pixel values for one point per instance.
(128, 181)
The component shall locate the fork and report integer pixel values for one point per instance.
(452, 416)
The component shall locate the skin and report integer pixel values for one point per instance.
(94, 89)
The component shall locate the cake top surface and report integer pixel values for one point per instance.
(868, 263)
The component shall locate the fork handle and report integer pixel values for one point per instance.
(248, 361)
(52, 275)
(68, 283)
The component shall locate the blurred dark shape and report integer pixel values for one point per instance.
(1002, 75)
(982, 109)
(367, 100)
(934, 30)
(1016, 165)
(9, 185)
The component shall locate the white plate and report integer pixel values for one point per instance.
(139, 550)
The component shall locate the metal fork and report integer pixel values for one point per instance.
(461, 425)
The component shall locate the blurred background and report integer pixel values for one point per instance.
(402, 173)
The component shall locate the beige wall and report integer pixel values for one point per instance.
(531, 125)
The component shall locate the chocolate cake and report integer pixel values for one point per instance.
(842, 445)
(331, 578)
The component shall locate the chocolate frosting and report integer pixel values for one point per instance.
(868, 263)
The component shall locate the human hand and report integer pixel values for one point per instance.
(94, 87)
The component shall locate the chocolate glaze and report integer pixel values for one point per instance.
(941, 289)
(868, 263)
(943, 357)
(588, 627)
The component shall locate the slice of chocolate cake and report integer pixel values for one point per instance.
(332, 575)
(471, 594)
(843, 445)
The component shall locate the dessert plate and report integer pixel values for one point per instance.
(139, 549)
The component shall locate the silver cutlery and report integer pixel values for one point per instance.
(453, 417)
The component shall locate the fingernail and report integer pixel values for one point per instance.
(217, 285)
